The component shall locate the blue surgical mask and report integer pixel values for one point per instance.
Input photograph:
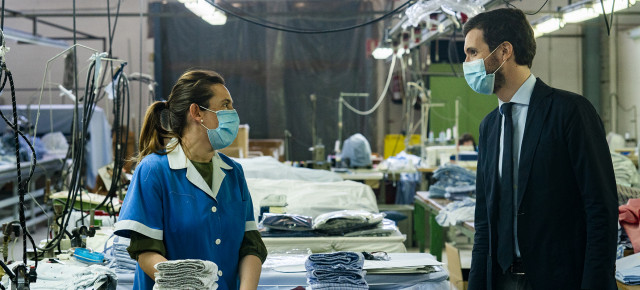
(476, 75)
(228, 123)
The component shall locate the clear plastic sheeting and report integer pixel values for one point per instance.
(386, 228)
(55, 143)
(402, 162)
(269, 168)
(356, 151)
(346, 221)
(314, 198)
(422, 10)
(288, 222)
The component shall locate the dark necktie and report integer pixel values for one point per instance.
(505, 218)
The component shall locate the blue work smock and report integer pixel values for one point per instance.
(169, 200)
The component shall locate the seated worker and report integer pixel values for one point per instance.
(467, 140)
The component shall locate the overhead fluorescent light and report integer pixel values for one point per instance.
(547, 25)
(206, 11)
(580, 14)
(22, 36)
(617, 5)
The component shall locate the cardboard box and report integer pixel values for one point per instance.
(268, 147)
(240, 146)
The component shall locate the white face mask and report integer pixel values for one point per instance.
(476, 75)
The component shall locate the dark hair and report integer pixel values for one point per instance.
(466, 137)
(165, 120)
(506, 24)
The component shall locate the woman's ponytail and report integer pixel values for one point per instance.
(153, 134)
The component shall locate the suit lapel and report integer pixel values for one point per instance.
(538, 109)
(493, 139)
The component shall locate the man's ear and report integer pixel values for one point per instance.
(507, 50)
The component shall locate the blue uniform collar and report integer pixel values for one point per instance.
(178, 160)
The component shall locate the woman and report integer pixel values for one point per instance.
(186, 201)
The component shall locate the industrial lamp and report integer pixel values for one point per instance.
(382, 52)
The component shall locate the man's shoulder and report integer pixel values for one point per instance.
(489, 117)
(569, 101)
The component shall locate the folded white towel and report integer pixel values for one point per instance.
(186, 274)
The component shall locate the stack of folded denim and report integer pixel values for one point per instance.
(186, 274)
(453, 181)
(122, 259)
(340, 270)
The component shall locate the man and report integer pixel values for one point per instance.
(546, 208)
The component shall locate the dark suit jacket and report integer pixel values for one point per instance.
(567, 201)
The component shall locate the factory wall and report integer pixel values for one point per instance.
(27, 62)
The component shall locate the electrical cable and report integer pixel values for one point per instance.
(255, 18)
(261, 22)
(77, 154)
(382, 95)
(17, 134)
(513, 6)
(608, 23)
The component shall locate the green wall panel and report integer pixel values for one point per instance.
(473, 106)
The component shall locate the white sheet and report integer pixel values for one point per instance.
(391, 244)
(314, 198)
(269, 168)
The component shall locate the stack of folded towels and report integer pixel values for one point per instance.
(186, 274)
(340, 270)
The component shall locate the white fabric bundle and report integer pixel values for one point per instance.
(95, 277)
(186, 274)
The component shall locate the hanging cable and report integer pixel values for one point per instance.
(382, 95)
(537, 11)
(261, 22)
(6, 75)
(608, 23)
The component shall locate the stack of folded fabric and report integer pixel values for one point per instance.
(340, 270)
(186, 274)
(287, 222)
(94, 277)
(122, 261)
(457, 212)
(453, 182)
(628, 269)
(345, 221)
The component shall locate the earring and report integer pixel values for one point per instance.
(201, 121)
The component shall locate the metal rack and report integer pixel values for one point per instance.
(49, 168)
